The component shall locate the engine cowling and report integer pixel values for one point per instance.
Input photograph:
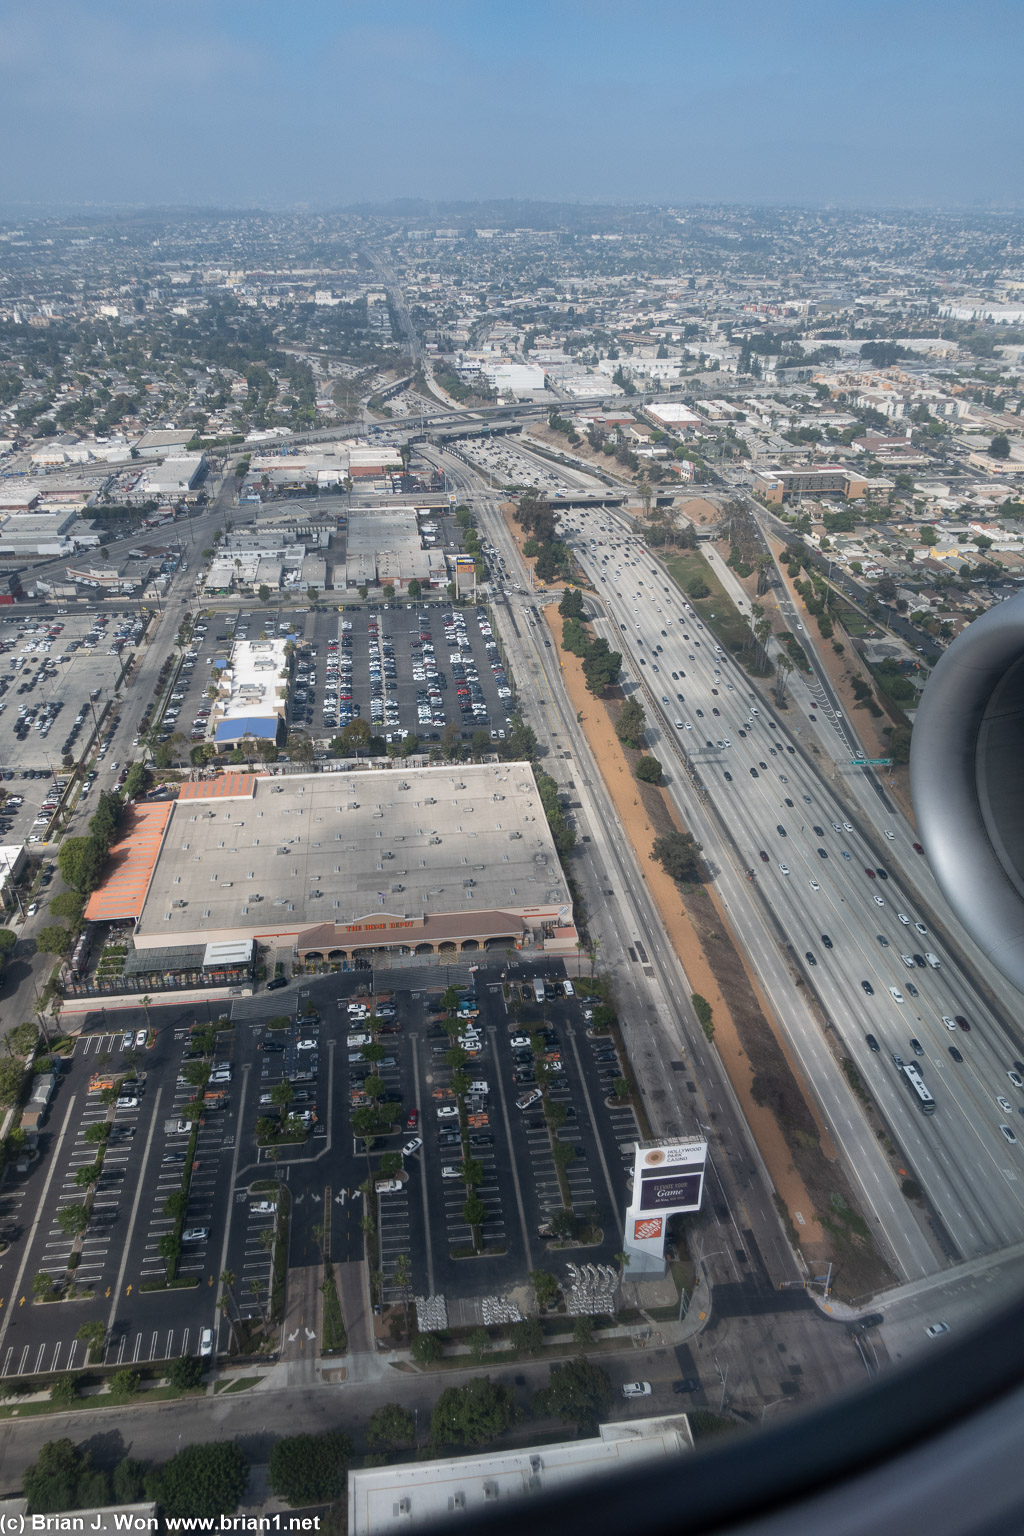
(967, 777)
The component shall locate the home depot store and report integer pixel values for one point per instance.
(428, 861)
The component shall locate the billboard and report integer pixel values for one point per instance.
(668, 1178)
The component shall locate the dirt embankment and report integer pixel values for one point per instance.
(794, 1143)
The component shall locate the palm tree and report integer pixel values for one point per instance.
(783, 667)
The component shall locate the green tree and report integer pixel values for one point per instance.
(571, 606)
(545, 1287)
(414, 590)
(72, 1220)
(8, 939)
(579, 1393)
(87, 1176)
(64, 1391)
(389, 592)
(128, 1483)
(697, 588)
(526, 1336)
(93, 1335)
(185, 1373)
(629, 727)
(473, 1414)
(474, 1211)
(53, 940)
(12, 1077)
(201, 1481)
(263, 593)
(22, 1038)
(50, 1484)
(648, 770)
(583, 1331)
(679, 855)
(42, 1286)
(310, 1469)
(601, 666)
(81, 862)
(69, 904)
(999, 447)
(426, 1348)
(390, 1426)
(124, 1384)
(479, 1341)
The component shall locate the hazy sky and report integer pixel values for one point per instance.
(245, 102)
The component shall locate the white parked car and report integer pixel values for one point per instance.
(632, 1389)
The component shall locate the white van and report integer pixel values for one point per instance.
(933, 960)
(568, 988)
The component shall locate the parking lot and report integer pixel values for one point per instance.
(54, 672)
(227, 1220)
(406, 669)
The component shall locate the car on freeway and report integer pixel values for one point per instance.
(1004, 1105)
(868, 988)
(826, 941)
(896, 994)
(917, 848)
(964, 1025)
(784, 868)
(815, 886)
(809, 957)
(955, 1053)
(870, 873)
(873, 1044)
(916, 1046)
(1016, 1079)
(903, 918)
(1008, 1133)
(882, 940)
(879, 901)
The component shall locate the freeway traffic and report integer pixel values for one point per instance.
(772, 798)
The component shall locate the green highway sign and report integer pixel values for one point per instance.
(870, 762)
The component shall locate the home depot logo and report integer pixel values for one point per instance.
(649, 1227)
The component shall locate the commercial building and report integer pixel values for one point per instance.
(252, 692)
(337, 866)
(776, 486)
(384, 1499)
(177, 478)
(676, 418)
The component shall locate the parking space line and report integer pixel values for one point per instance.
(55, 1158)
(140, 1184)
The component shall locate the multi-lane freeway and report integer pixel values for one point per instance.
(811, 865)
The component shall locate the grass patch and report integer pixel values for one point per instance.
(182, 1283)
(728, 624)
(334, 1340)
(241, 1385)
(705, 1424)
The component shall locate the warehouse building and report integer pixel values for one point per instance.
(341, 866)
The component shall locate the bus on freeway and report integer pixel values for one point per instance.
(913, 1075)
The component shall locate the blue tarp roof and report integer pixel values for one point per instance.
(262, 726)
